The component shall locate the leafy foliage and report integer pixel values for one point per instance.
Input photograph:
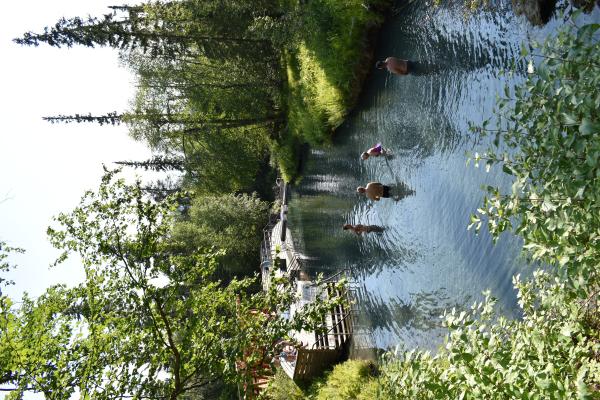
(281, 387)
(549, 142)
(351, 380)
(147, 321)
(548, 139)
(354, 379)
(5, 266)
(546, 355)
(326, 62)
(232, 223)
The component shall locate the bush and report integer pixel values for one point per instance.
(352, 380)
(281, 387)
(548, 354)
(548, 140)
(230, 222)
(327, 59)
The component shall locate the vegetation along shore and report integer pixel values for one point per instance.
(227, 93)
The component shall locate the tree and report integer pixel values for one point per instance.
(547, 139)
(156, 163)
(230, 222)
(161, 29)
(147, 322)
(160, 119)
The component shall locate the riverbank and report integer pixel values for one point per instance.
(325, 68)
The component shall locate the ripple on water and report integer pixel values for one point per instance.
(425, 260)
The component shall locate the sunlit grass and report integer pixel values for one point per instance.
(352, 379)
(325, 71)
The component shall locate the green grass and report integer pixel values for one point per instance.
(351, 380)
(281, 387)
(325, 67)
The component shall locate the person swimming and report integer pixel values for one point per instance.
(359, 229)
(374, 151)
(377, 191)
(374, 191)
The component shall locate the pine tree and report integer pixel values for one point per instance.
(162, 119)
(112, 118)
(159, 29)
(157, 163)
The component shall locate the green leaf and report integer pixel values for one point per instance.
(569, 119)
(587, 30)
(587, 127)
(592, 160)
(564, 260)
(507, 169)
(583, 391)
(566, 331)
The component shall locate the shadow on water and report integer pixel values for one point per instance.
(419, 312)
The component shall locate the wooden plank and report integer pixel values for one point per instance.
(312, 362)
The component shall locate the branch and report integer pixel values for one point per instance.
(589, 64)
(13, 389)
(198, 385)
(173, 347)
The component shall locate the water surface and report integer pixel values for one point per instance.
(425, 261)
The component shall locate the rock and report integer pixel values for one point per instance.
(585, 5)
(538, 12)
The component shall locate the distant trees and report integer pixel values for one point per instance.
(209, 82)
(167, 29)
(229, 222)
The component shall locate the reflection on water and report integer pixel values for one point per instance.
(424, 260)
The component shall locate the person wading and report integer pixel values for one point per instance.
(394, 65)
(375, 191)
(374, 151)
(360, 229)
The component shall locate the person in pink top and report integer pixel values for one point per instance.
(374, 151)
(394, 65)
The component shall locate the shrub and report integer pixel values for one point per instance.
(348, 381)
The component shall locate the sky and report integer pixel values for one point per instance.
(44, 168)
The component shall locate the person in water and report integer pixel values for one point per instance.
(394, 65)
(359, 229)
(374, 191)
(374, 151)
(377, 191)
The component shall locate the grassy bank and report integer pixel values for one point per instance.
(352, 380)
(325, 64)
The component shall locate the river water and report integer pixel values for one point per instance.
(425, 260)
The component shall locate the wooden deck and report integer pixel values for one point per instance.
(319, 349)
(279, 254)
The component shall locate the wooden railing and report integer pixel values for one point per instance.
(312, 362)
(342, 321)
